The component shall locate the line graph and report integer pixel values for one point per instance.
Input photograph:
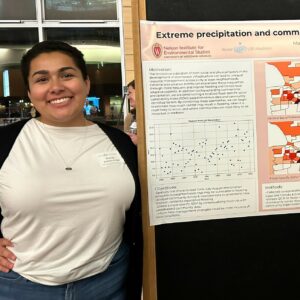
(201, 148)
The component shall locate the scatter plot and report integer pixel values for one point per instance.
(201, 148)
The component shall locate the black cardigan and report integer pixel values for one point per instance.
(133, 224)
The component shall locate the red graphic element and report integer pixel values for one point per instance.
(290, 96)
(277, 151)
(290, 152)
(285, 68)
(290, 93)
(157, 50)
(275, 92)
(288, 128)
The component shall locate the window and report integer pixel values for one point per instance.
(91, 25)
(14, 102)
(13, 38)
(80, 10)
(17, 10)
(6, 92)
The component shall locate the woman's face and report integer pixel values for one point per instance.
(131, 96)
(57, 89)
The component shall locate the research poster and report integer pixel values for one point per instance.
(222, 119)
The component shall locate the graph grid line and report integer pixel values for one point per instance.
(202, 148)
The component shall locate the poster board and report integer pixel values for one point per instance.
(236, 258)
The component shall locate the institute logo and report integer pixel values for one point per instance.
(157, 50)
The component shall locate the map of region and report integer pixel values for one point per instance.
(283, 87)
(284, 147)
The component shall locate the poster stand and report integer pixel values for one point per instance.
(240, 258)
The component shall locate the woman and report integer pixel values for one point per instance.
(69, 192)
(130, 119)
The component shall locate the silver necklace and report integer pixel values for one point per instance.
(68, 165)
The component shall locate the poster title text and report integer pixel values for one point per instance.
(224, 33)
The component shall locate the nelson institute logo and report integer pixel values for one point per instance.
(157, 50)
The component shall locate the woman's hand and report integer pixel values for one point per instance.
(6, 256)
(134, 138)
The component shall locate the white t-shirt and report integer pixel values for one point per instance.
(65, 225)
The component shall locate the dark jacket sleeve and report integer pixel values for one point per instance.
(133, 224)
(8, 135)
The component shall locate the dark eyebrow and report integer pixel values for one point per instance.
(44, 72)
(66, 68)
(40, 72)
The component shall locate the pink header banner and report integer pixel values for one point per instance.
(201, 40)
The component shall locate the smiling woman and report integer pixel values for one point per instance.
(66, 229)
(57, 89)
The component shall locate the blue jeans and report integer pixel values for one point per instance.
(109, 285)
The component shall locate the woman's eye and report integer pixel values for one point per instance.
(41, 79)
(67, 75)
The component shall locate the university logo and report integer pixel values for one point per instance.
(157, 50)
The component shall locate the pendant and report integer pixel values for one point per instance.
(68, 168)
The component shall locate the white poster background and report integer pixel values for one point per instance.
(206, 117)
